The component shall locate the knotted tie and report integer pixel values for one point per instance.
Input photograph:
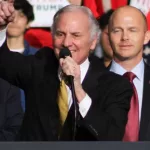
(63, 102)
(132, 126)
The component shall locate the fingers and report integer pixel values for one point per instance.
(11, 1)
(69, 66)
(11, 17)
(7, 12)
(5, 9)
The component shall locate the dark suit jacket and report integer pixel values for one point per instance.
(38, 76)
(11, 113)
(145, 113)
(144, 132)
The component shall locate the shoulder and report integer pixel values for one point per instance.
(97, 62)
(146, 72)
(29, 50)
(7, 89)
(113, 80)
(147, 66)
(33, 50)
(47, 55)
(4, 85)
(45, 52)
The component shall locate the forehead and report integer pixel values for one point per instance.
(73, 19)
(128, 17)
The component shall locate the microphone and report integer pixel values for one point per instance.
(63, 54)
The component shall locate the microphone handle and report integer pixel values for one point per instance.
(75, 105)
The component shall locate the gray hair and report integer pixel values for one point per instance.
(94, 26)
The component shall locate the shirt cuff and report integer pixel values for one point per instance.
(2, 36)
(84, 105)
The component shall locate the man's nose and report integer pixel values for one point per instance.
(67, 41)
(125, 35)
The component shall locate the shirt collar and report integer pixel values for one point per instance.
(138, 70)
(84, 68)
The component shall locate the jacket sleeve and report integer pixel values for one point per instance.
(20, 70)
(107, 116)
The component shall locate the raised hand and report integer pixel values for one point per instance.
(7, 12)
(10, 1)
(70, 67)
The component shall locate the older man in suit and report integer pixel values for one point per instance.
(103, 98)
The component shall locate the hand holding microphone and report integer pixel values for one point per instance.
(68, 65)
(72, 69)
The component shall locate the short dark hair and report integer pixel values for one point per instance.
(103, 20)
(26, 8)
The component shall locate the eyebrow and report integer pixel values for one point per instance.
(76, 32)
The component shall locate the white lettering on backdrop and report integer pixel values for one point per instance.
(44, 11)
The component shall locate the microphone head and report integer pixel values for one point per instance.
(64, 52)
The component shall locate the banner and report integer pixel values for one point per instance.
(44, 11)
(144, 6)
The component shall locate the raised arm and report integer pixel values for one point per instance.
(7, 13)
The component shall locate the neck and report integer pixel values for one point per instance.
(128, 64)
(107, 61)
(15, 42)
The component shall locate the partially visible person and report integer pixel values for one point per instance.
(103, 97)
(15, 32)
(128, 32)
(104, 39)
(11, 113)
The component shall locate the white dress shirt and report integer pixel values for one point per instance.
(2, 36)
(85, 104)
(138, 70)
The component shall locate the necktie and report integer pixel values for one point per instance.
(63, 102)
(132, 126)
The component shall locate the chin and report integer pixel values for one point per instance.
(123, 57)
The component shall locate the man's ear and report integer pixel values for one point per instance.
(94, 43)
(147, 37)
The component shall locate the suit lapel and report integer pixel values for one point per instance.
(145, 118)
(90, 81)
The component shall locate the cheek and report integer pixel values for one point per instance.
(57, 42)
(78, 42)
(21, 23)
(137, 41)
(135, 38)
